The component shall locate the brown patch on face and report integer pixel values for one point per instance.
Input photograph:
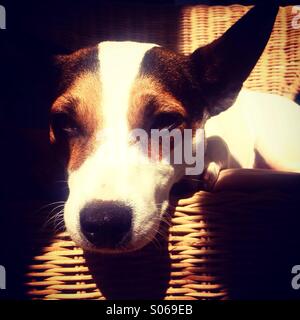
(70, 67)
(75, 113)
(173, 71)
(153, 107)
(76, 118)
(170, 76)
(149, 100)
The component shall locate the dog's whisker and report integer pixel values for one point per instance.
(59, 215)
(57, 207)
(61, 181)
(47, 206)
(164, 219)
(53, 212)
(53, 218)
(155, 242)
(60, 226)
(162, 232)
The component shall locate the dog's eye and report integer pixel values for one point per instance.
(167, 120)
(63, 124)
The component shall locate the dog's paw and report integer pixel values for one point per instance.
(210, 176)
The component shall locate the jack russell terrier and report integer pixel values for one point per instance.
(117, 206)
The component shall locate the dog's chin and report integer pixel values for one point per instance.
(89, 248)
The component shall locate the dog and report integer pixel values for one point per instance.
(117, 206)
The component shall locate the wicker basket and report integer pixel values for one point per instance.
(188, 266)
(193, 258)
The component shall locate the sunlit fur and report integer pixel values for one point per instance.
(264, 122)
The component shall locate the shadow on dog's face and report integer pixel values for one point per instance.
(118, 191)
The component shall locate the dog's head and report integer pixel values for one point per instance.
(116, 203)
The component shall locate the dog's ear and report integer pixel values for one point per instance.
(221, 67)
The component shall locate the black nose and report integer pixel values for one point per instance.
(106, 224)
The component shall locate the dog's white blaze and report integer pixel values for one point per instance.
(119, 66)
